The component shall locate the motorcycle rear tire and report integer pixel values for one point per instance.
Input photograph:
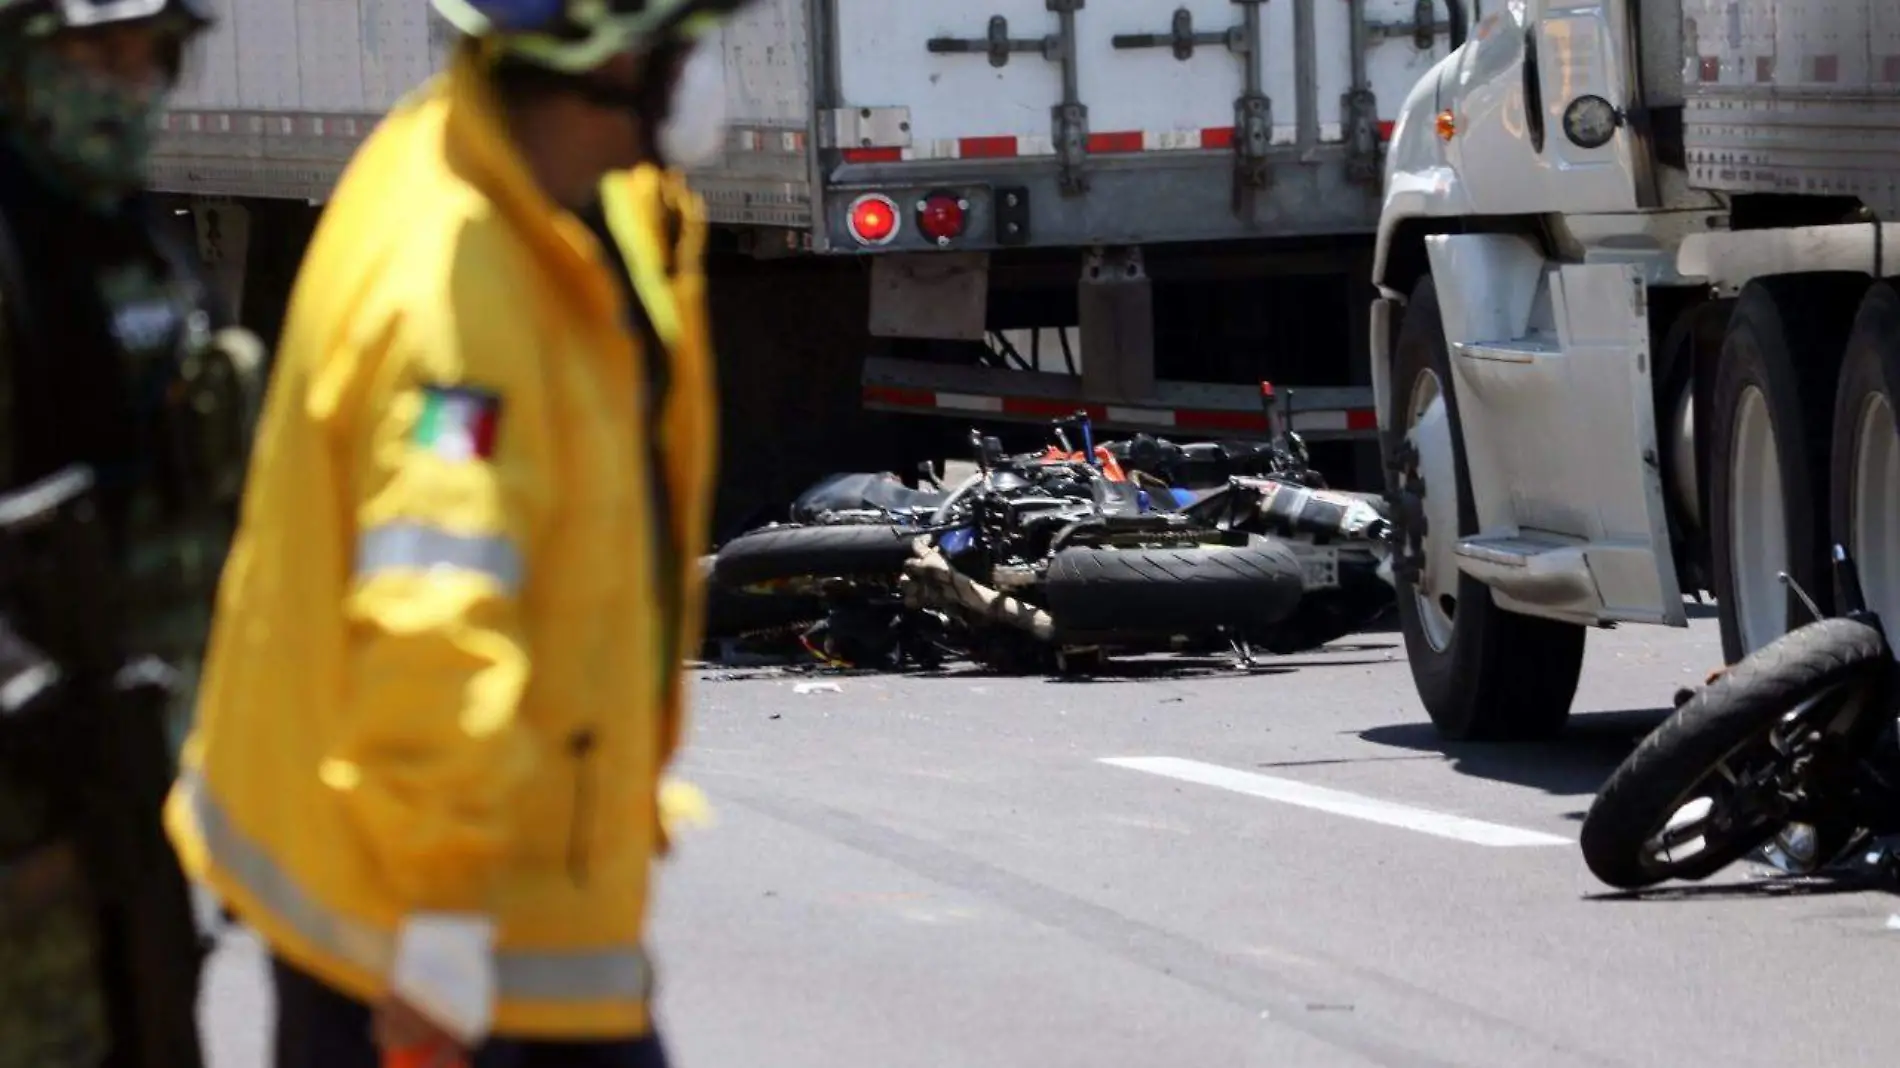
(774, 554)
(1737, 708)
(1186, 590)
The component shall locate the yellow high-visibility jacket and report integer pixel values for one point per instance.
(443, 676)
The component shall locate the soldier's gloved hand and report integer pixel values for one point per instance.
(217, 398)
(244, 349)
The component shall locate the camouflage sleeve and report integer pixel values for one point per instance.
(52, 999)
(7, 400)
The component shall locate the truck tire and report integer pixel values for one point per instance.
(1482, 672)
(1172, 591)
(788, 552)
(1657, 780)
(1865, 480)
(1768, 455)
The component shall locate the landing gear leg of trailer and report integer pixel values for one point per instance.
(224, 241)
(1116, 311)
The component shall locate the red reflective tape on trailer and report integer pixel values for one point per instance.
(1247, 422)
(986, 147)
(1113, 142)
(1119, 141)
(900, 397)
(1362, 419)
(1048, 409)
(1385, 130)
(873, 155)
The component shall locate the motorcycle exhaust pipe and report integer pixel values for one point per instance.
(1289, 510)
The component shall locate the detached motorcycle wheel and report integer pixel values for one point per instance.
(1688, 758)
(777, 553)
(1172, 591)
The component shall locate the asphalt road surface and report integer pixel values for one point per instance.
(1186, 866)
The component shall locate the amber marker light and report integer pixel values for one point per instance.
(1447, 125)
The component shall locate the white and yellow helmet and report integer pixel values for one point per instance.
(573, 36)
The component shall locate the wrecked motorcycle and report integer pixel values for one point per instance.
(1066, 553)
(1035, 560)
(1790, 752)
(1056, 562)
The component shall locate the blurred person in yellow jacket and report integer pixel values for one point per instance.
(443, 680)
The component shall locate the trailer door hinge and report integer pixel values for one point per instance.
(1253, 113)
(1071, 130)
(1071, 116)
(1364, 153)
(887, 127)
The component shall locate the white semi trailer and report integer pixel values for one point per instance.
(1638, 334)
(992, 212)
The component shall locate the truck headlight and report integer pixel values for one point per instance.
(1590, 121)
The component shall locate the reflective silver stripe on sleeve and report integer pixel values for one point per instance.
(578, 976)
(411, 546)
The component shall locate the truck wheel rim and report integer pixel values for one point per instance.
(1436, 589)
(1758, 525)
(1874, 532)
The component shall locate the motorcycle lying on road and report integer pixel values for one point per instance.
(1060, 557)
(1791, 751)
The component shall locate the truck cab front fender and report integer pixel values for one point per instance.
(1421, 179)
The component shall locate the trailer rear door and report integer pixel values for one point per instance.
(1009, 79)
(989, 81)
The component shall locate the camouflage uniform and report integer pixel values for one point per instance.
(113, 355)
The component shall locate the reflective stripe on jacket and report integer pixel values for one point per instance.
(443, 676)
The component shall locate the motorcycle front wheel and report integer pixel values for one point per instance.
(1709, 785)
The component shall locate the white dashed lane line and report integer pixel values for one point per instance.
(1340, 802)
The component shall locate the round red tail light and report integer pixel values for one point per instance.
(872, 219)
(941, 217)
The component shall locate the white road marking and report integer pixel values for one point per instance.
(1339, 802)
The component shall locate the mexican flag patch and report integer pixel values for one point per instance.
(458, 423)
